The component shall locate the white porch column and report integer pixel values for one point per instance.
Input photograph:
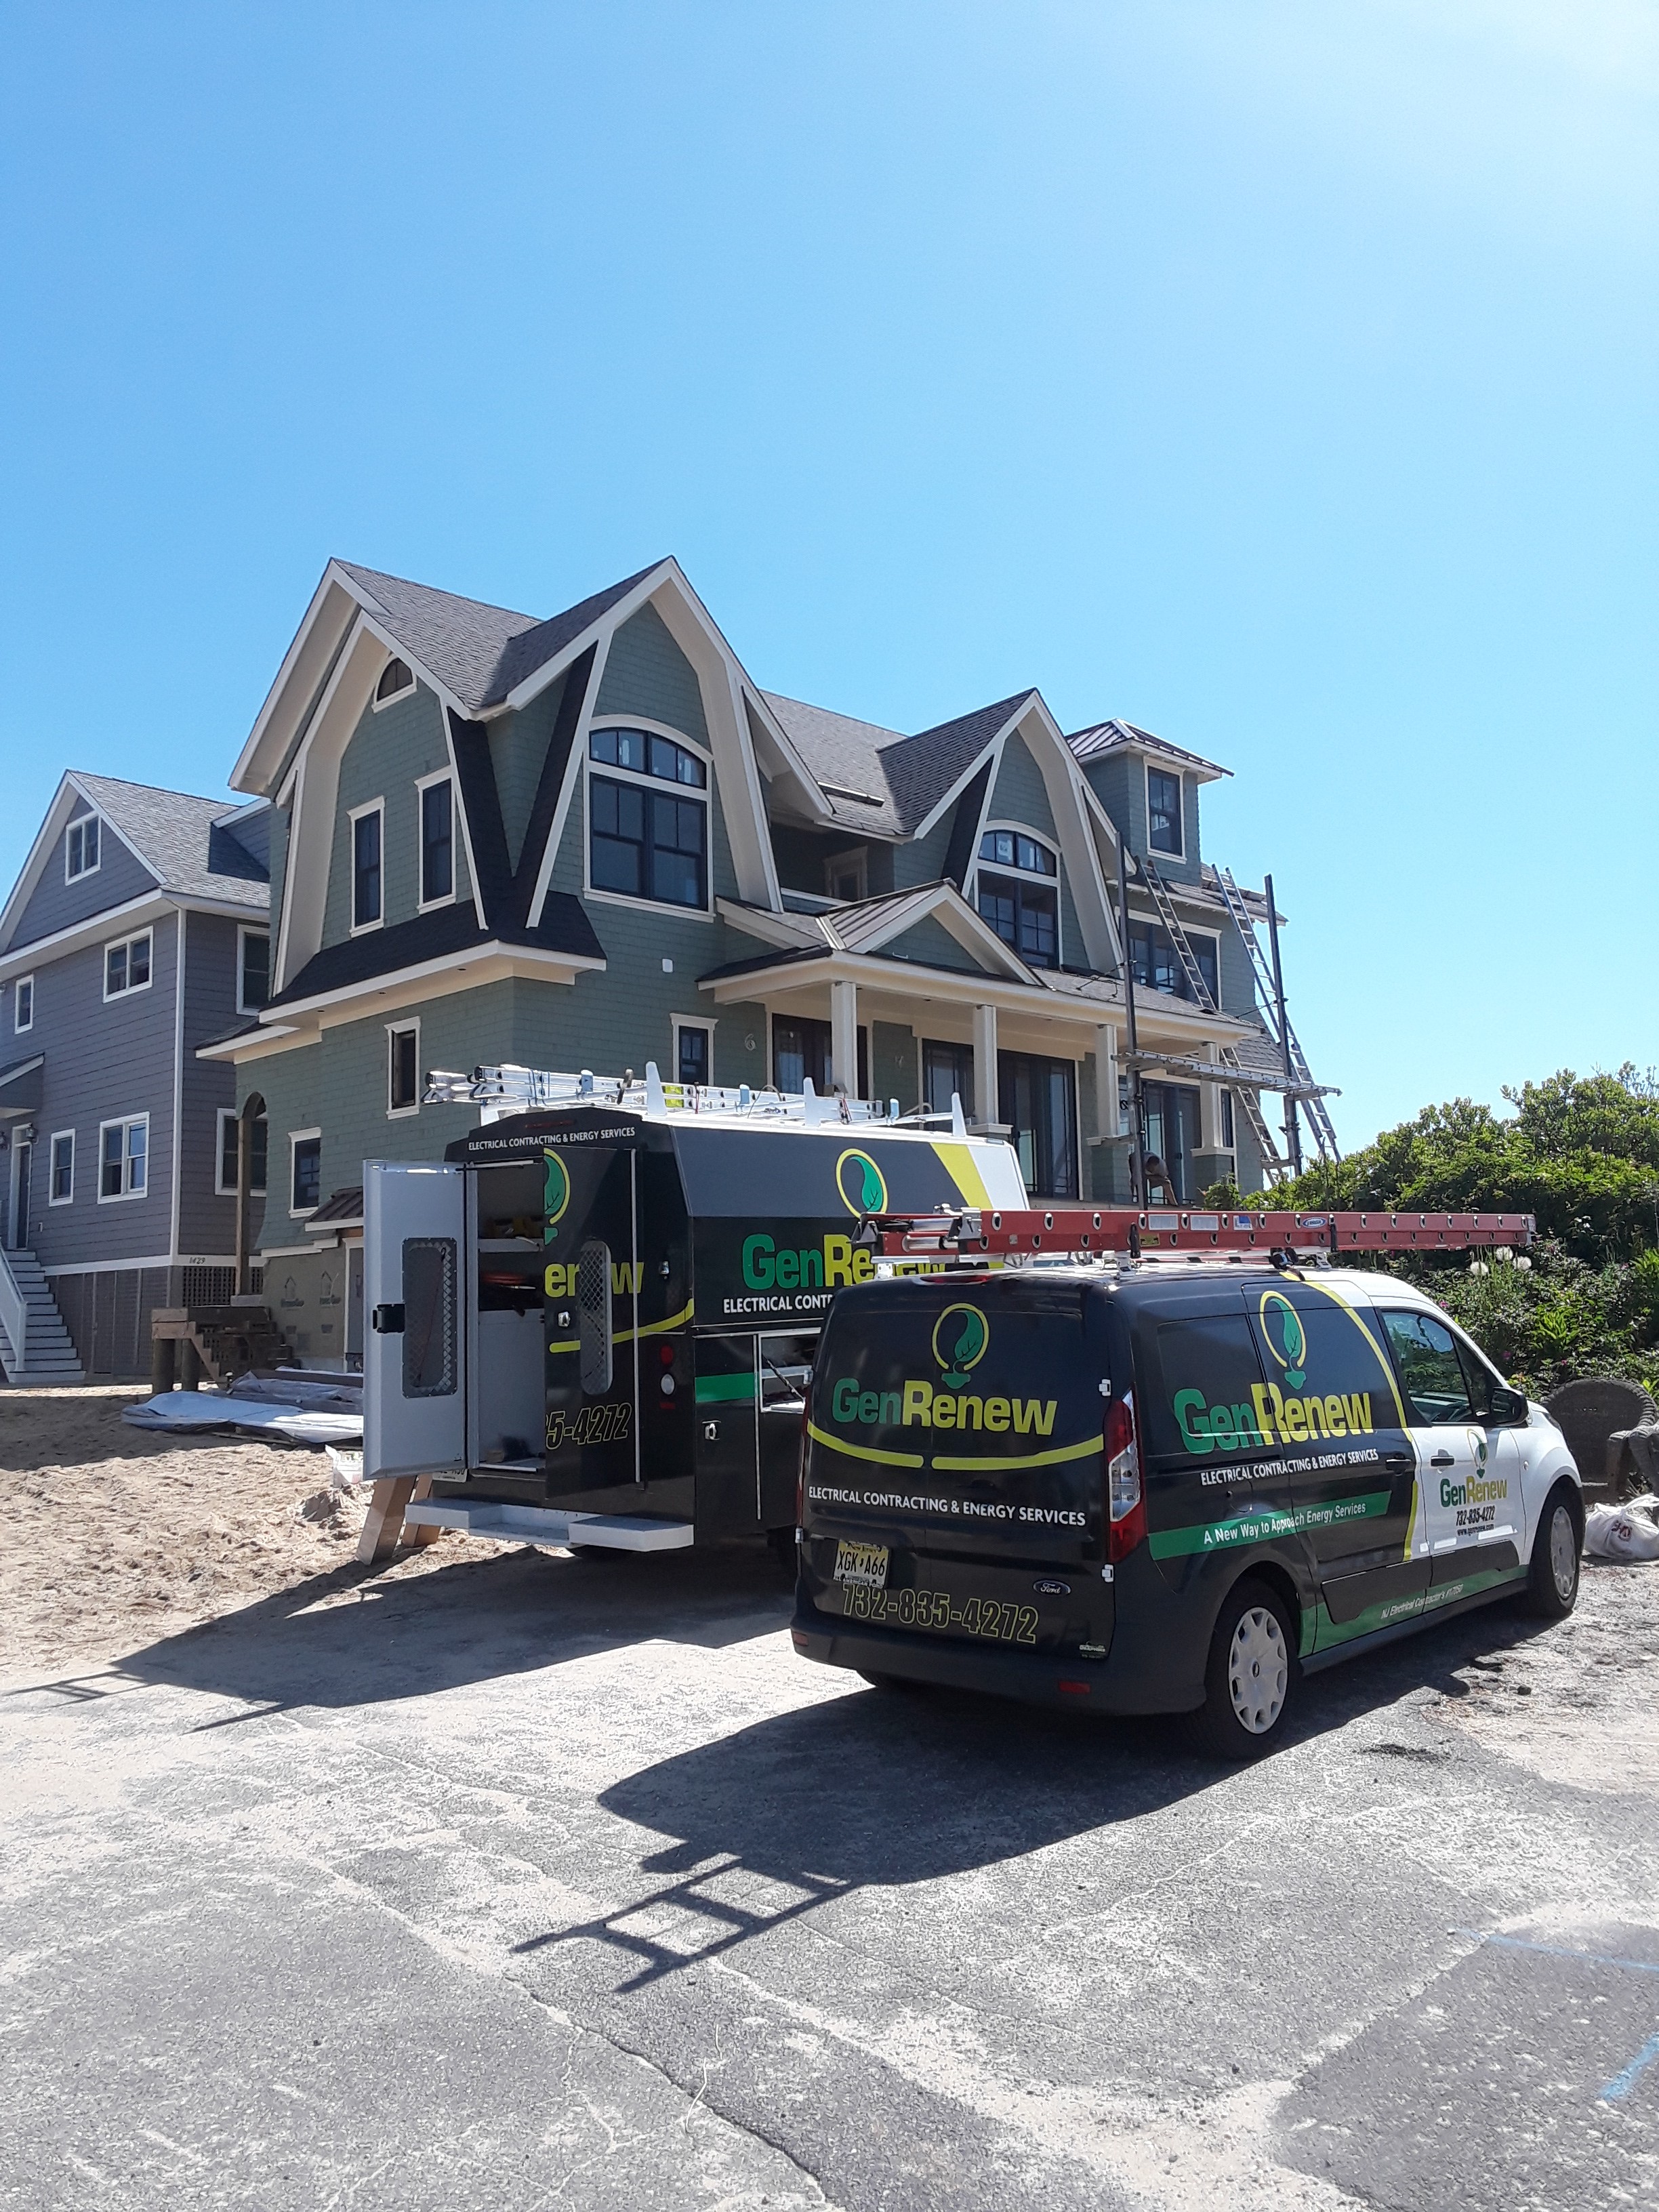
(1209, 1110)
(844, 1036)
(985, 1064)
(1107, 1119)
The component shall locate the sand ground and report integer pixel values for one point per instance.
(113, 1536)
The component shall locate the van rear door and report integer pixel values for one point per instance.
(961, 1416)
(414, 1409)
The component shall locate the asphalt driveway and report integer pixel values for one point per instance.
(539, 1882)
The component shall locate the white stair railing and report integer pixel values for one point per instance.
(13, 1315)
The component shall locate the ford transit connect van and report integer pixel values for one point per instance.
(1177, 1488)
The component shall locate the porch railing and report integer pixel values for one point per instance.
(13, 1315)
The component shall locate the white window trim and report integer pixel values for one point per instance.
(128, 989)
(372, 807)
(296, 1137)
(705, 797)
(422, 785)
(122, 1121)
(23, 983)
(400, 1029)
(391, 698)
(55, 1139)
(693, 1022)
(243, 932)
(1150, 768)
(1023, 876)
(80, 875)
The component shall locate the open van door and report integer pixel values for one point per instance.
(414, 1290)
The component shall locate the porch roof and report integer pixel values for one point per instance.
(21, 1088)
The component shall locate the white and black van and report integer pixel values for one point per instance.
(1175, 1488)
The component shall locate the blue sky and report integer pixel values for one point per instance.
(1279, 376)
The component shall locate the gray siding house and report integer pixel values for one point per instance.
(136, 931)
(592, 839)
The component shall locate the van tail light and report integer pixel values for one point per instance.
(1126, 1499)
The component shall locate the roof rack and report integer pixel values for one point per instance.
(970, 1235)
(508, 1089)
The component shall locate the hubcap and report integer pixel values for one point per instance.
(1258, 1669)
(1564, 1553)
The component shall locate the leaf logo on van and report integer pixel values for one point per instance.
(1286, 1338)
(860, 1181)
(961, 1336)
(555, 1195)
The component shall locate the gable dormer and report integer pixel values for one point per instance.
(1150, 788)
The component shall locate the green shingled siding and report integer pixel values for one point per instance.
(646, 673)
(386, 753)
(518, 752)
(1019, 795)
(928, 940)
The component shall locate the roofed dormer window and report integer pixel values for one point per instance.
(1163, 812)
(646, 842)
(395, 678)
(80, 848)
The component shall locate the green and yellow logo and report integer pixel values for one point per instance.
(556, 1190)
(961, 1335)
(1286, 1337)
(860, 1181)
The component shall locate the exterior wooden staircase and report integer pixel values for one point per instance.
(35, 1347)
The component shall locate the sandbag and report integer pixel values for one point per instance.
(1629, 1533)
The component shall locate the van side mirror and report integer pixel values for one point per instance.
(1509, 1408)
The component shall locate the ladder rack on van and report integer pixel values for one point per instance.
(1061, 1232)
(508, 1089)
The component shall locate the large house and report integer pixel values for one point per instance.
(592, 839)
(135, 932)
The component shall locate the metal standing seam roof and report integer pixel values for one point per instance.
(1103, 737)
(173, 833)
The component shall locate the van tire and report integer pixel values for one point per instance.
(1250, 1682)
(1552, 1576)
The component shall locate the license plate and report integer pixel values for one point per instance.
(864, 1565)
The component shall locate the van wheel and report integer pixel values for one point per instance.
(1553, 1578)
(1251, 1678)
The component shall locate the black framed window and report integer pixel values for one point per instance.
(946, 1069)
(648, 844)
(307, 1187)
(63, 1168)
(800, 1047)
(253, 984)
(1163, 812)
(646, 753)
(366, 869)
(1157, 965)
(257, 1140)
(1023, 915)
(1012, 848)
(395, 678)
(1037, 1098)
(437, 843)
(403, 1081)
(1170, 1134)
(692, 1053)
(1228, 1137)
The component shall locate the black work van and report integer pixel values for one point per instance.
(1167, 1490)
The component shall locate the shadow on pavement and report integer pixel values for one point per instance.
(353, 1636)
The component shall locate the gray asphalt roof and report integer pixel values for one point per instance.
(180, 839)
(478, 652)
(900, 778)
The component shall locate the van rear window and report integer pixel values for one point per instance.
(1209, 1371)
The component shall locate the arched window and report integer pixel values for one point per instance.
(1019, 894)
(647, 818)
(395, 678)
